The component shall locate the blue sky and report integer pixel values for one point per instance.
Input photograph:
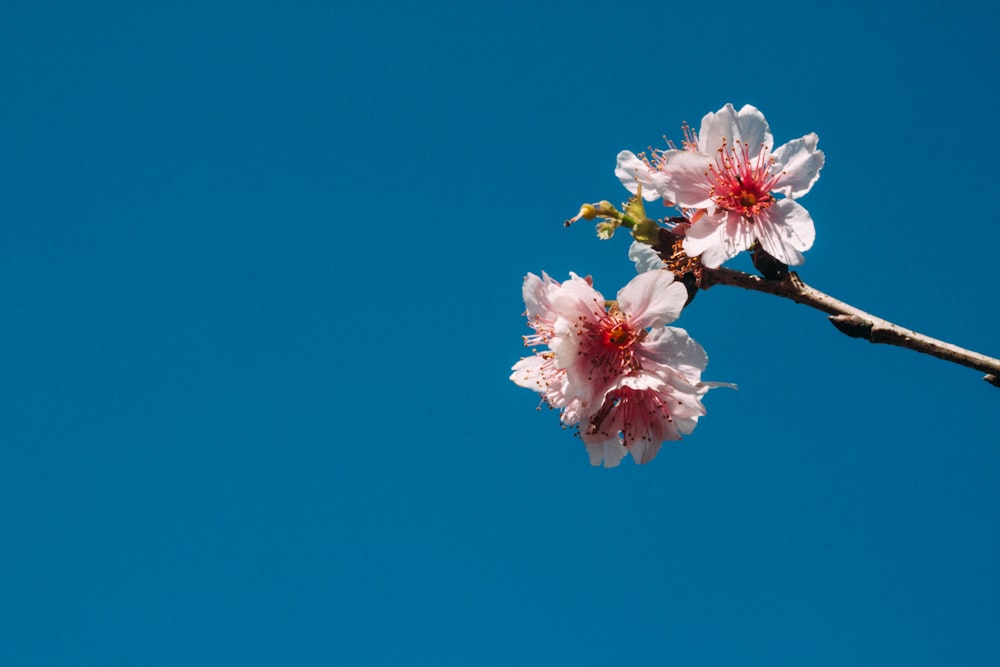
(260, 275)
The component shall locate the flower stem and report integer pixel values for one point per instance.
(855, 322)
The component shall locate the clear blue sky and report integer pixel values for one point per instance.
(260, 275)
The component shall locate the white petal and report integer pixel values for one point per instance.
(752, 129)
(717, 238)
(528, 373)
(800, 161)
(672, 346)
(572, 411)
(632, 171)
(687, 182)
(703, 236)
(785, 231)
(640, 381)
(652, 299)
(748, 126)
(609, 450)
(535, 292)
(643, 451)
(645, 258)
(685, 425)
(716, 127)
(566, 346)
(529, 291)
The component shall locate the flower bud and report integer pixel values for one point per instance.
(605, 230)
(587, 212)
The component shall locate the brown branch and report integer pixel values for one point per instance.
(853, 321)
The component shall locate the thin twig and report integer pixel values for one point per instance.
(853, 321)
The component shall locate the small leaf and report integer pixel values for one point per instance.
(634, 207)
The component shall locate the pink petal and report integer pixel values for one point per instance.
(687, 182)
(673, 347)
(576, 298)
(652, 299)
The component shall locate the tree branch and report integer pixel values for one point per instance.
(855, 322)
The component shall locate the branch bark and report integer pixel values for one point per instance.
(855, 322)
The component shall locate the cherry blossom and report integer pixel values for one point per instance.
(617, 371)
(747, 191)
(598, 345)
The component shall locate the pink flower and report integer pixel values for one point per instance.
(628, 381)
(597, 345)
(730, 171)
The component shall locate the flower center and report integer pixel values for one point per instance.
(609, 344)
(740, 182)
(619, 335)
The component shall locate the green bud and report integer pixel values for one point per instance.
(646, 231)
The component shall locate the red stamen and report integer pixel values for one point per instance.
(740, 182)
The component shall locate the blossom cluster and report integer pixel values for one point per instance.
(614, 369)
(618, 372)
